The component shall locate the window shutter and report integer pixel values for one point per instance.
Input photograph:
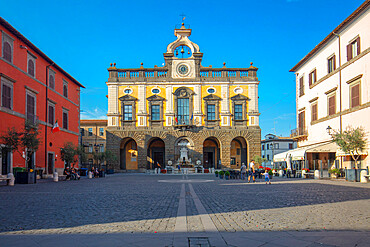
(310, 79)
(349, 52)
(355, 95)
(314, 74)
(358, 45)
(31, 68)
(332, 105)
(7, 52)
(334, 63)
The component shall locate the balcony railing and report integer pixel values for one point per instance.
(299, 133)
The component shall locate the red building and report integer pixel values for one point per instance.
(33, 87)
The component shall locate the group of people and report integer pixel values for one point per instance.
(71, 173)
(252, 173)
(95, 172)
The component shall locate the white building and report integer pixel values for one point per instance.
(333, 89)
(273, 145)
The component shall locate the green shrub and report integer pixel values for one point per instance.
(334, 171)
(227, 173)
(221, 173)
(270, 172)
(216, 172)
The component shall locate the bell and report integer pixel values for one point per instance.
(188, 52)
(177, 53)
(182, 50)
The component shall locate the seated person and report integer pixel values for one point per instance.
(75, 174)
(67, 172)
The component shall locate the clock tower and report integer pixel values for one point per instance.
(183, 57)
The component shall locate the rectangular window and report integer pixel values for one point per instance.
(314, 112)
(51, 79)
(276, 146)
(353, 49)
(211, 112)
(156, 112)
(238, 112)
(65, 89)
(331, 104)
(301, 86)
(31, 108)
(65, 120)
(82, 131)
(267, 146)
(102, 148)
(101, 131)
(331, 64)
(263, 147)
(31, 64)
(290, 145)
(90, 131)
(355, 95)
(312, 78)
(90, 148)
(183, 111)
(127, 112)
(7, 47)
(268, 157)
(51, 114)
(6, 96)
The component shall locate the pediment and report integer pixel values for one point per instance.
(127, 97)
(239, 97)
(155, 98)
(212, 97)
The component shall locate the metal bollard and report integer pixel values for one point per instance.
(55, 177)
(363, 179)
(12, 179)
(317, 174)
(90, 174)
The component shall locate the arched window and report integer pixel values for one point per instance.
(65, 90)
(51, 82)
(31, 67)
(7, 52)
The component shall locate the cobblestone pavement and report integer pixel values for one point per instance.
(146, 207)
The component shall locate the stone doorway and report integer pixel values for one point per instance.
(238, 152)
(128, 154)
(211, 153)
(156, 153)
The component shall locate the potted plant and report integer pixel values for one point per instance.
(164, 171)
(221, 174)
(227, 175)
(334, 172)
(216, 173)
(270, 173)
(206, 170)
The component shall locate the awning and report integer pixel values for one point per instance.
(281, 157)
(323, 148)
(341, 153)
(297, 154)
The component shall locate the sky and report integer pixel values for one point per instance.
(84, 37)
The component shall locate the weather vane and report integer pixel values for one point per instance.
(183, 16)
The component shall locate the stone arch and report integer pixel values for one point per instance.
(128, 154)
(238, 152)
(211, 152)
(156, 149)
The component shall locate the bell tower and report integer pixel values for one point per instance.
(183, 57)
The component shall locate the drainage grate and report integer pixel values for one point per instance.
(199, 242)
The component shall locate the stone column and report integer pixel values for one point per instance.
(142, 153)
(253, 105)
(225, 155)
(113, 111)
(198, 105)
(225, 105)
(141, 113)
(169, 114)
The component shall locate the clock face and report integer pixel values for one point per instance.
(183, 69)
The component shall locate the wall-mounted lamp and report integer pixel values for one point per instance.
(329, 130)
(23, 47)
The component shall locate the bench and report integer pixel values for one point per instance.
(5, 178)
(309, 175)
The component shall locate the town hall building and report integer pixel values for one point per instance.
(183, 113)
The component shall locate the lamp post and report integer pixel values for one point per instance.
(329, 130)
(96, 146)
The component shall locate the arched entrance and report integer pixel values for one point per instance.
(211, 153)
(128, 154)
(156, 153)
(238, 152)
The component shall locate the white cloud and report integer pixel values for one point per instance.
(95, 113)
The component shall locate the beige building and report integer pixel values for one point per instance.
(333, 92)
(93, 138)
(183, 113)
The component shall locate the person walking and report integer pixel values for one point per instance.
(243, 171)
(267, 177)
(251, 171)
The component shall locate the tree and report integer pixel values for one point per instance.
(352, 141)
(259, 160)
(69, 153)
(110, 157)
(27, 139)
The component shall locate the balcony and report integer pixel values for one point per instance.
(299, 133)
(183, 123)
